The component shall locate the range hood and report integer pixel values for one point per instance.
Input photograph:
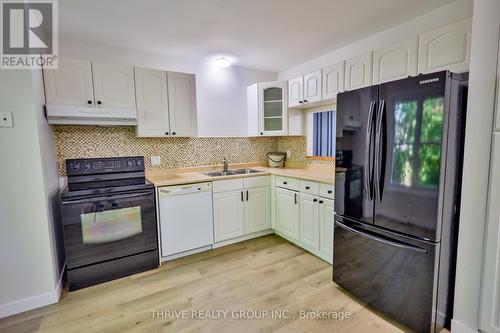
(81, 115)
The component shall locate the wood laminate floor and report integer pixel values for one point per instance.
(264, 277)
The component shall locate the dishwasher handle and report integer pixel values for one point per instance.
(185, 189)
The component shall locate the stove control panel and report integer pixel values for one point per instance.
(90, 166)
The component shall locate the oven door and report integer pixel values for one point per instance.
(101, 228)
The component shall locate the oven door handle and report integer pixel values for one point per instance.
(113, 197)
(382, 240)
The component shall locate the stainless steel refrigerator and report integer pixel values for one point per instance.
(398, 252)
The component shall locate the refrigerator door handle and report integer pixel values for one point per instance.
(378, 157)
(382, 240)
(368, 143)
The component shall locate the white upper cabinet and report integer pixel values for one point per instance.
(358, 71)
(70, 84)
(267, 109)
(446, 48)
(152, 102)
(296, 92)
(305, 90)
(182, 104)
(113, 85)
(333, 80)
(312, 87)
(396, 61)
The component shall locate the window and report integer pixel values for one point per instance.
(416, 156)
(324, 134)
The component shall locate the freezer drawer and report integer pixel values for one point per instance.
(390, 273)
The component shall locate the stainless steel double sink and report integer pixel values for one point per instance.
(233, 172)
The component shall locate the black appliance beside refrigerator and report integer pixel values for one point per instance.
(398, 253)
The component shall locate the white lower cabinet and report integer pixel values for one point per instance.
(287, 212)
(241, 208)
(309, 220)
(326, 223)
(257, 209)
(229, 215)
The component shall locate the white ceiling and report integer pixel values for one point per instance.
(264, 34)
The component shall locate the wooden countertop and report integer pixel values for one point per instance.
(166, 177)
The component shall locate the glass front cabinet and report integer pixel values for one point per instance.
(267, 109)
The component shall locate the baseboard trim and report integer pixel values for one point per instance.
(186, 253)
(30, 303)
(458, 327)
(34, 302)
(243, 238)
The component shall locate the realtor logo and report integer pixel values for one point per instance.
(29, 34)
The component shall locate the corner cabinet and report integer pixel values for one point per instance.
(267, 109)
(166, 103)
(445, 48)
(490, 307)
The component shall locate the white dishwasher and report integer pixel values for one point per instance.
(186, 219)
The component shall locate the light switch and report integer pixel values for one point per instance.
(6, 119)
(155, 160)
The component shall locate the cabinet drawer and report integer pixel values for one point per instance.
(228, 185)
(326, 191)
(261, 181)
(289, 183)
(309, 187)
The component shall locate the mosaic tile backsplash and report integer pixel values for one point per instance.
(85, 142)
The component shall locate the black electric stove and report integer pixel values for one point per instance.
(109, 219)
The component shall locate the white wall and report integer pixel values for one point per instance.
(221, 92)
(29, 272)
(480, 110)
(452, 12)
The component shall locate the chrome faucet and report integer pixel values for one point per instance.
(226, 166)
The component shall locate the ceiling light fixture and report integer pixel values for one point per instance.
(222, 62)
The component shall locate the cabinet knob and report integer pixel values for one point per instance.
(173, 133)
(300, 102)
(261, 133)
(166, 133)
(284, 183)
(307, 187)
(89, 102)
(321, 201)
(315, 200)
(305, 101)
(99, 102)
(329, 191)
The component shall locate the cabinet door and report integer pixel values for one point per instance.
(257, 209)
(287, 212)
(490, 309)
(312, 87)
(333, 80)
(395, 61)
(326, 218)
(113, 85)
(358, 72)
(70, 84)
(182, 104)
(445, 48)
(229, 215)
(296, 92)
(273, 115)
(152, 102)
(309, 220)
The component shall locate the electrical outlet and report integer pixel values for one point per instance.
(6, 119)
(155, 160)
(288, 153)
